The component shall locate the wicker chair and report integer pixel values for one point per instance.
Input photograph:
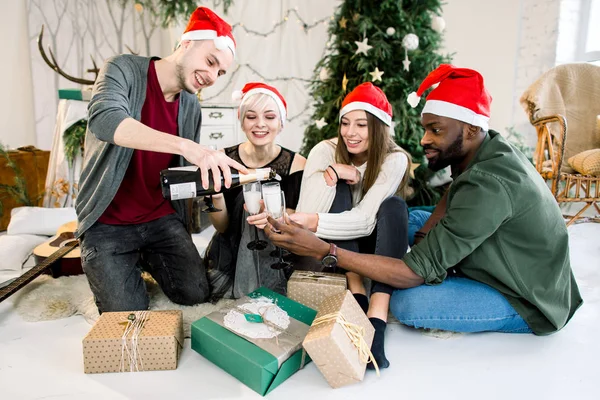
(567, 93)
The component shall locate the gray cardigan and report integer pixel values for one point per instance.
(119, 93)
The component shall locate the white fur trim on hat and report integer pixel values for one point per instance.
(360, 105)
(413, 99)
(237, 95)
(268, 92)
(221, 42)
(454, 111)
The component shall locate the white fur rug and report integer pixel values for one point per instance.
(47, 298)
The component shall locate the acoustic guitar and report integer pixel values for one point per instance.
(59, 256)
(68, 264)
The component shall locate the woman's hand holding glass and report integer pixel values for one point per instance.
(258, 220)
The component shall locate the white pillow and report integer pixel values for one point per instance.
(39, 220)
(14, 250)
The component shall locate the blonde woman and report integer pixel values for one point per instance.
(349, 197)
(233, 269)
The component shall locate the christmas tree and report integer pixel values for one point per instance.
(394, 44)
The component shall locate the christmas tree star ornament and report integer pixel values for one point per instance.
(344, 83)
(343, 21)
(410, 42)
(376, 75)
(413, 168)
(321, 123)
(363, 47)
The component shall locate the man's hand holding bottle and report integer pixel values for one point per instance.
(214, 161)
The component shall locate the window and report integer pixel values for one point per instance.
(588, 43)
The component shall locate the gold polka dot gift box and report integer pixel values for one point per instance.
(311, 288)
(339, 340)
(134, 341)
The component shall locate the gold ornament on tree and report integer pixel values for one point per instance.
(413, 168)
(410, 42)
(344, 83)
(342, 22)
(376, 75)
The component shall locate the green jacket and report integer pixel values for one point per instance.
(119, 93)
(503, 228)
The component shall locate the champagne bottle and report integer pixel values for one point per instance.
(186, 182)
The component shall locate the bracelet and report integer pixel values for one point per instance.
(420, 234)
(335, 172)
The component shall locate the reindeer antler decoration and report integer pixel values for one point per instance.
(54, 65)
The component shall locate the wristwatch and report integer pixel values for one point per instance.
(330, 260)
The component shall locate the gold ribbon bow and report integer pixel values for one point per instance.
(355, 332)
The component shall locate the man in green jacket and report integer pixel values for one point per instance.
(494, 256)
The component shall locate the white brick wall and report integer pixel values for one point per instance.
(536, 53)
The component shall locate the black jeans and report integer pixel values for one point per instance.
(114, 256)
(390, 236)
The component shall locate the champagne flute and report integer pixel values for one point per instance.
(252, 196)
(274, 200)
(208, 200)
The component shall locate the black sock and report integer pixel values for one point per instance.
(378, 341)
(363, 301)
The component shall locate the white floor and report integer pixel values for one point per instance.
(43, 360)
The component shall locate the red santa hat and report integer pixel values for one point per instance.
(252, 88)
(205, 24)
(460, 95)
(368, 97)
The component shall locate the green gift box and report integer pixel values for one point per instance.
(258, 369)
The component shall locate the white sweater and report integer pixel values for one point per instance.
(317, 197)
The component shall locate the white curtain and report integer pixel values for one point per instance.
(62, 180)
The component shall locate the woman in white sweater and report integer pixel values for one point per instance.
(348, 195)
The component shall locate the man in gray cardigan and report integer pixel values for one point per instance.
(144, 117)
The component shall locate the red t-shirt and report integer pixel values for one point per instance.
(139, 198)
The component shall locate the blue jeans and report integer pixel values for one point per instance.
(457, 304)
(114, 256)
(416, 220)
